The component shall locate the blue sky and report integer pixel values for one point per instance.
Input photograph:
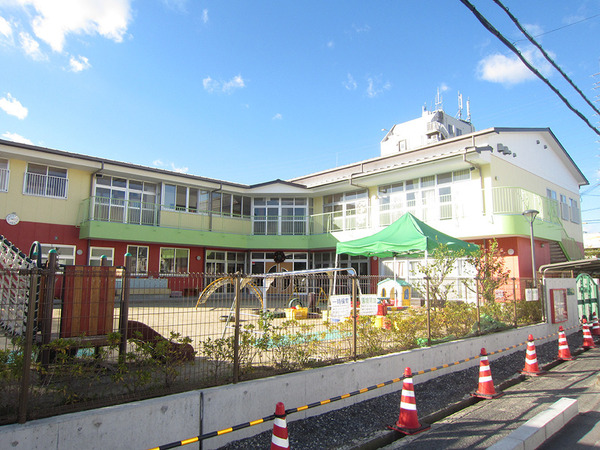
(252, 91)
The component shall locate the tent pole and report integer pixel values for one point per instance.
(337, 256)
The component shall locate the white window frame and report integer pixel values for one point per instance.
(177, 270)
(564, 207)
(95, 257)
(48, 184)
(575, 211)
(139, 265)
(4, 175)
(66, 253)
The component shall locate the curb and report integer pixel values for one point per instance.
(385, 437)
(540, 428)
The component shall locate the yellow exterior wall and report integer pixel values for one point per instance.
(31, 208)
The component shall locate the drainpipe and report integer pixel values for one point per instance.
(362, 170)
(478, 167)
(210, 211)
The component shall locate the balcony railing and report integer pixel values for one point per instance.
(434, 210)
(45, 185)
(4, 177)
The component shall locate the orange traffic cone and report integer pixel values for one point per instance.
(588, 342)
(408, 421)
(486, 384)
(563, 346)
(595, 326)
(531, 363)
(280, 441)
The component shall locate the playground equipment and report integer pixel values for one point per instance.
(87, 295)
(15, 290)
(266, 280)
(246, 282)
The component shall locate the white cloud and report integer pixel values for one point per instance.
(31, 47)
(6, 29)
(278, 116)
(79, 63)
(205, 15)
(211, 85)
(179, 169)
(16, 138)
(509, 70)
(350, 83)
(443, 87)
(178, 5)
(52, 21)
(533, 30)
(13, 107)
(375, 87)
(361, 29)
(330, 44)
(171, 166)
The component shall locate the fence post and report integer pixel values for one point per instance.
(477, 302)
(354, 317)
(48, 305)
(28, 348)
(124, 308)
(236, 338)
(515, 300)
(428, 314)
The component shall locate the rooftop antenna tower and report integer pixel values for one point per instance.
(460, 106)
(468, 110)
(439, 104)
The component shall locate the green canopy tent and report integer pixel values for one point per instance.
(407, 237)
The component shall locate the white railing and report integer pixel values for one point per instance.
(461, 205)
(45, 185)
(4, 177)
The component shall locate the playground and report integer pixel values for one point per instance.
(105, 335)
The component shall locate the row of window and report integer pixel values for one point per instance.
(131, 201)
(567, 210)
(176, 260)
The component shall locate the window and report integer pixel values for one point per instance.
(280, 216)
(461, 175)
(4, 173)
(218, 262)
(349, 211)
(564, 207)
(125, 201)
(96, 254)
(575, 212)
(552, 203)
(139, 258)
(186, 199)
(66, 253)
(174, 260)
(45, 181)
(419, 196)
(445, 199)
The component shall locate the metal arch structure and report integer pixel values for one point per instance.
(268, 279)
(224, 281)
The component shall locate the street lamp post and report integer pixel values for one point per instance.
(530, 215)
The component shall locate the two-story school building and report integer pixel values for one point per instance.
(470, 184)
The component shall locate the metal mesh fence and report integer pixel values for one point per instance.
(104, 336)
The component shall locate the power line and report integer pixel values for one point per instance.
(548, 58)
(502, 39)
(560, 28)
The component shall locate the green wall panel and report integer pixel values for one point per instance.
(140, 233)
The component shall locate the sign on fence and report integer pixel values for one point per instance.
(340, 307)
(368, 305)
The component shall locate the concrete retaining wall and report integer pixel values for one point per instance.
(159, 421)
